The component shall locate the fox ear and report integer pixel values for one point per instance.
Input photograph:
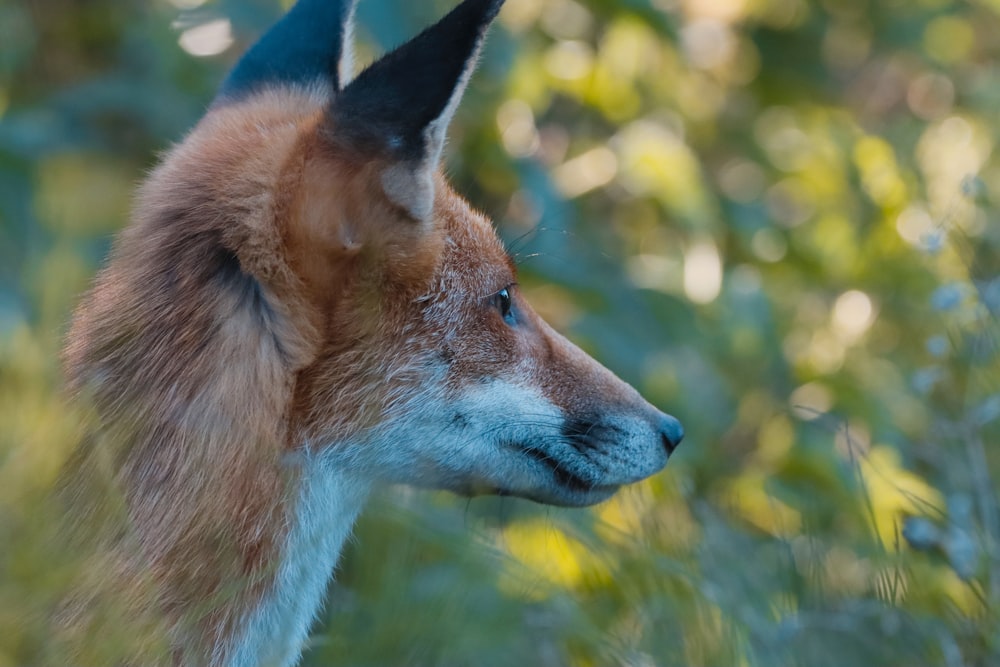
(400, 107)
(310, 44)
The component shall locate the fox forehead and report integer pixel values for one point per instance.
(474, 263)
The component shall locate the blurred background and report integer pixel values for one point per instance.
(777, 218)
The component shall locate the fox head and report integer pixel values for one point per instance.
(430, 366)
(304, 226)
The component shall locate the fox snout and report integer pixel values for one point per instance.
(605, 453)
(588, 459)
(612, 444)
(611, 435)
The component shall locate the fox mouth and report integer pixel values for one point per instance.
(571, 489)
(564, 477)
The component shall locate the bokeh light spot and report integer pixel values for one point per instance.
(702, 272)
(593, 169)
(516, 123)
(569, 60)
(853, 315)
(207, 39)
(811, 401)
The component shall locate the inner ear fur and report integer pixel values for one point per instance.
(402, 104)
(341, 227)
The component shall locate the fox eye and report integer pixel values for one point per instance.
(502, 302)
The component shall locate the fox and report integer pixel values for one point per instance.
(301, 312)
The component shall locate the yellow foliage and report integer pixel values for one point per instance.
(555, 559)
(628, 51)
(747, 495)
(879, 172)
(894, 492)
(949, 39)
(622, 516)
(774, 440)
(834, 237)
(655, 161)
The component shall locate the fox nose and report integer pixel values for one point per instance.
(671, 432)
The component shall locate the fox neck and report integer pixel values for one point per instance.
(320, 515)
(226, 515)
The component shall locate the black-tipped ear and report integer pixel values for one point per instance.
(404, 101)
(401, 106)
(309, 44)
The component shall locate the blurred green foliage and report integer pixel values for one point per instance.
(777, 218)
